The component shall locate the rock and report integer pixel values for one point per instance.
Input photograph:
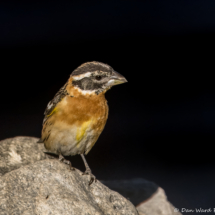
(49, 187)
(136, 190)
(18, 151)
(153, 198)
(157, 205)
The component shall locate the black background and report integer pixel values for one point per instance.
(161, 123)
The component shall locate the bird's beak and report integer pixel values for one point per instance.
(116, 78)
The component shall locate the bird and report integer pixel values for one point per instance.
(76, 116)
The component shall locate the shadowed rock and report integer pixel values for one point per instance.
(149, 197)
(136, 190)
(157, 205)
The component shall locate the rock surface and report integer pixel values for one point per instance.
(29, 186)
(49, 187)
(136, 190)
(153, 198)
(18, 151)
(157, 205)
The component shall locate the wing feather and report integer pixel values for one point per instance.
(52, 104)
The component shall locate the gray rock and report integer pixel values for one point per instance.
(18, 151)
(157, 205)
(136, 190)
(49, 187)
(153, 199)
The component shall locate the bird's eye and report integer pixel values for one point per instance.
(98, 77)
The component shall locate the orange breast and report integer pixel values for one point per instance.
(75, 111)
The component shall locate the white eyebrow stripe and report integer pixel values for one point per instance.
(79, 77)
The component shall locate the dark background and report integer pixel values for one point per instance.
(161, 123)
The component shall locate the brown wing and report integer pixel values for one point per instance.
(52, 104)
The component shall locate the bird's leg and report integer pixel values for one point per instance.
(88, 170)
(62, 159)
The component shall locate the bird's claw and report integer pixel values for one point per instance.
(63, 160)
(92, 177)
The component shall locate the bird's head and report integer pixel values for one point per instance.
(95, 77)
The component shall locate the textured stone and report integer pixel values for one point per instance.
(136, 190)
(49, 187)
(157, 205)
(18, 151)
(153, 198)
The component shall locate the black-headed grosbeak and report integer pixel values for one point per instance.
(77, 114)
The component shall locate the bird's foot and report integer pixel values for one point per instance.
(92, 177)
(62, 159)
